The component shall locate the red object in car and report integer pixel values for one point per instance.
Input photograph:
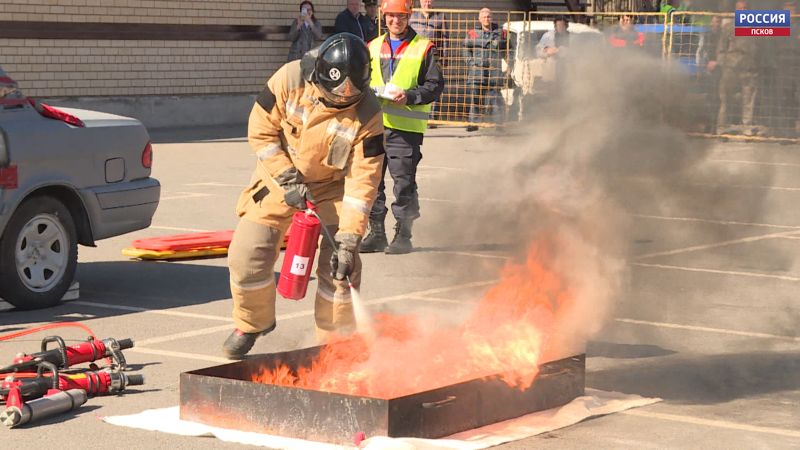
(55, 113)
(298, 260)
(8, 177)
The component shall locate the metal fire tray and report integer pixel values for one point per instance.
(223, 396)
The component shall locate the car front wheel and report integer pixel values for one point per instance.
(38, 254)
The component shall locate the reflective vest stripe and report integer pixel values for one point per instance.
(412, 118)
(394, 110)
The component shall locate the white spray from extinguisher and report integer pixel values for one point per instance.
(363, 318)
(362, 315)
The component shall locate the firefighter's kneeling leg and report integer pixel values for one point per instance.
(333, 309)
(251, 260)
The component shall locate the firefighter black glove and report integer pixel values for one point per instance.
(295, 191)
(343, 259)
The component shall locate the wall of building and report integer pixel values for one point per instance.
(128, 56)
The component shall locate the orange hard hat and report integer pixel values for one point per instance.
(396, 6)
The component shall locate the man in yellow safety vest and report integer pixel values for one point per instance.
(407, 78)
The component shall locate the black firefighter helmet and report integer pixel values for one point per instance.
(342, 69)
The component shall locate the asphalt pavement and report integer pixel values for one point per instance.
(706, 317)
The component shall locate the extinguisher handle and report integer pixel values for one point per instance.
(311, 206)
(329, 237)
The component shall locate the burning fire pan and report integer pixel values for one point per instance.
(223, 396)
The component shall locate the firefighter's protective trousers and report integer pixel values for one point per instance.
(255, 248)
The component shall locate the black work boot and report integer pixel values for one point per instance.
(239, 343)
(376, 238)
(401, 243)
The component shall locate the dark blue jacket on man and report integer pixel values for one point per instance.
(359, 25)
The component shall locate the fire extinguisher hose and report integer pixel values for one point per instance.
(329, 237)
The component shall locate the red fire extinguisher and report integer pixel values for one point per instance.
(298, 260)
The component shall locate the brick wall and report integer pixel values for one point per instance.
(117, 67)
(131, 57)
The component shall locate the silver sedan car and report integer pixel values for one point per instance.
(67, 177)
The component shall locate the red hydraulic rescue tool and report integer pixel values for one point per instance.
(19, 413)
(33, 387)
(97, 382)
(67, 356)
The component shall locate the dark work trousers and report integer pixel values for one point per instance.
(486, 104)
(403, 154)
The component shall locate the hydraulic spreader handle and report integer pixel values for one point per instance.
(125, 344)
(135, 380)
(67, 356)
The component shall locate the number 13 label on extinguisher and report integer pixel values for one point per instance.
(299, 265)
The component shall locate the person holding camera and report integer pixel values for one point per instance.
(304, 31)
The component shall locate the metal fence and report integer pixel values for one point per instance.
(749, 85)
(748, 89)
(475, 66)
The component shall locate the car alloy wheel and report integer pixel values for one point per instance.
(41, 252)
(40, 247)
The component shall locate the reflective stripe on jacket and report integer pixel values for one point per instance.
(408, 61)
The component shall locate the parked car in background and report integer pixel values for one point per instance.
(67, 177)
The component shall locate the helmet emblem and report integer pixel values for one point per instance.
(335, 74)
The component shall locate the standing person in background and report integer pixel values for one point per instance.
(738, 58)
(708, 72)
(484, 48)
(554, 45)
(787, 79)
(352, 21)
(304, 31)
(624, 34)
(432, 26)
(406, 74)
(371, 7)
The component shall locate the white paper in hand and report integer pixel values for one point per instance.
(389, 91)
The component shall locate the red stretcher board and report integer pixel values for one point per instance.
(186, 242)
(186, 245)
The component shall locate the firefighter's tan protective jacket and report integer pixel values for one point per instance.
(291, 127)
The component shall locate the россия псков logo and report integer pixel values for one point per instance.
(762, 23)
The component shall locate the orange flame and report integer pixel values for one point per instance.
(504, 337)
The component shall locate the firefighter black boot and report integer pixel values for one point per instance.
(376, 238)
(239, 343)
(401, 243)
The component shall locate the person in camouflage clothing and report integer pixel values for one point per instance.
(739, 61)
(788, 81)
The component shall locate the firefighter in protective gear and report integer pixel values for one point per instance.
(317, 133)
(407, 77)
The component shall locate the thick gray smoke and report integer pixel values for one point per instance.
(610, 144)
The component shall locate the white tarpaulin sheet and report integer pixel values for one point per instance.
(594, 403)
